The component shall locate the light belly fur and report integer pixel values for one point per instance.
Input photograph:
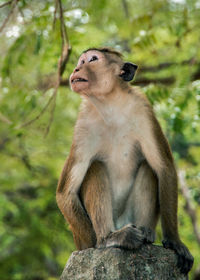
(121, 176)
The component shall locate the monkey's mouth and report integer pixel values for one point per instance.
(76, 80)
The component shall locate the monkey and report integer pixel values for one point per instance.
(120, 175)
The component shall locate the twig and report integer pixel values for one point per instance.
(5, 119)
(125, 7)
(13, 4)
(62, 24)
(55, 13)
(52, 110)
(142, 81)
(22, 14)
(5, 4)
(3, 142)
(197, 273)
(188, 205)
(165, 65)
(23, 157)
(40, 114)
(65, 52)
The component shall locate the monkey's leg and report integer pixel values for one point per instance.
(144, 202)
(79, 240)
(83, 233)
(141, 211)
(96, 198)
(72, 209)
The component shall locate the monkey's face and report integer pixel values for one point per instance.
(96, 74)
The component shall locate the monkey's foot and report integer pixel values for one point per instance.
(185, 259)
(129, 237)
(149, 234)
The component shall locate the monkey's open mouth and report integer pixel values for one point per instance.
(78, 80)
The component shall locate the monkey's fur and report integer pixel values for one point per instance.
(120, 174)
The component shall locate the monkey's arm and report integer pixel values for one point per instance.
(158, 155)
(68, 200)
(157, 152)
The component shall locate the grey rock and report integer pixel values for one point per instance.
(150, 262)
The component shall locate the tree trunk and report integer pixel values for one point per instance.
(150, 262)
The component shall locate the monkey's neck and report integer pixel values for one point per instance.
(112, 107)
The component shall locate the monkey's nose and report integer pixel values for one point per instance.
(76, 69)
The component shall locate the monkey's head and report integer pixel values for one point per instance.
(100, 71)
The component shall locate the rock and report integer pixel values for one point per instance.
(150, 262)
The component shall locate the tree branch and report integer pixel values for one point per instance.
(191, 212)
(140, 81)
(40, 114)
(146, 81)
(165, 65)
(125, 7)
(5, 119)
(5, 4)
(46, 82)
(55, 13)
(188, 204)
(3, 142)
(13, 4)
(65, 53)
(197, 273)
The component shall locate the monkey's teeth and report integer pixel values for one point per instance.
(79, 80)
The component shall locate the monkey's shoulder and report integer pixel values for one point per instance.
(138, 96)
(140, 103)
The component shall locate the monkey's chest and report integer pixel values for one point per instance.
(117, 147)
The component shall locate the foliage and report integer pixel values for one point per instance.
(161, 36)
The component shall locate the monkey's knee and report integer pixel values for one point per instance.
(95, 186)
(129, 237)
(95, 181)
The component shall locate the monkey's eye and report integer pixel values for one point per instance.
(94, 57)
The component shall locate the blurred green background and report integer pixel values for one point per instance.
(162, 37)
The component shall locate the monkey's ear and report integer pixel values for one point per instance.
(128, 71)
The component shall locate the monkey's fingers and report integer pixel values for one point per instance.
(129, 237)
(185, 259)
(149, 234)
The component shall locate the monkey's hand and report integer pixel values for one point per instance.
(185, 259)
(129, 237)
